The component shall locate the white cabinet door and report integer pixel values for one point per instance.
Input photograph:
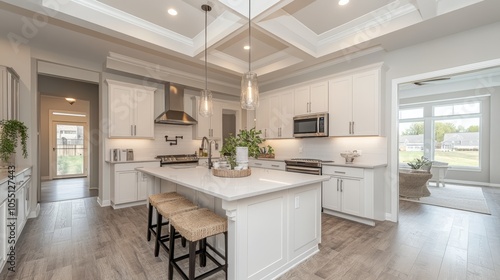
(318, 98)
(274, 119)
(287, 113)
(340, 106)
(143, 183)
(144, 121)
(21, 214)
(352, 196)
(130, 110)
(9, 94)
(126, 187)
(262, 117)
(331, 191)
(366, 103)
(3, 232)
(210, 127)
(301, 100)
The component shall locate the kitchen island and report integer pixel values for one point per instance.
(274, 217)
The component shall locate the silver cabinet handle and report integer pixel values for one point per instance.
(275, 165)
(339, 172)
(338, 180)
(135, 129)
(259, 164)
(131, 130)
(341, 185)
(352, 127)
(350, 130)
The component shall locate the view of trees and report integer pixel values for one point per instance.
(440, 128)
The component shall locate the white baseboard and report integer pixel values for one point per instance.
(103, 203)
(45, 178)
(34, 213)
(473, 183)
(350, 217)
(390, 217)
(130, 204)
(94, 188)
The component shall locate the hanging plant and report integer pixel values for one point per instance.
(11, 131)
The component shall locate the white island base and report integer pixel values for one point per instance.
(274, 217)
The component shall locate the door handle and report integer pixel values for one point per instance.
(341, 185)
(338, 184)
(353, 127)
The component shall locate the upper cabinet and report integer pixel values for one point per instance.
(311, 99)
(210, 127)
(9, 94)
(355, 104)
(275, 115)
(131, 110)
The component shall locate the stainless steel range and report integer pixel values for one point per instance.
(188, 159)
(305, 165)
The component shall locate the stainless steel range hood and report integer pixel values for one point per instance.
(174, 107)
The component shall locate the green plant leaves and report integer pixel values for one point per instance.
(10, 132)
(245, 138)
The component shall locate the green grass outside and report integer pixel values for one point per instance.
(453, 158)
(69, 165)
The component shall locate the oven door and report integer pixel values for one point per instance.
(303, 169)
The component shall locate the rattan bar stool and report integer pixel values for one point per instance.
(153, 200)
(166, 210)
(196, 226)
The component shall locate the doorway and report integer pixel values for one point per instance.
(69, 150)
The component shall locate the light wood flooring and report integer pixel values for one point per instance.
(77, 239)
(64, 189)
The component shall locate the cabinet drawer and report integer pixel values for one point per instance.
(343, 171)
(133, 165)
(268, 164)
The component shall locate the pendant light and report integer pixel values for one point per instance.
(205, 108)
(249, 85)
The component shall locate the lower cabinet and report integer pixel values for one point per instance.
(129, 187)
(354, 193)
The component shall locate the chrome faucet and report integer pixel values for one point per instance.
(209, 143)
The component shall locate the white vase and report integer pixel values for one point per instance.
(241, 154)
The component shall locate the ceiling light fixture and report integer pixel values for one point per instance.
(70, 100)
(343, 2)
(172, 12)
(205, 108)
(249, 85)
(246, 47)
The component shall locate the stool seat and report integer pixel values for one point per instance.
(154, 199)
(198, 224)
(166, 210)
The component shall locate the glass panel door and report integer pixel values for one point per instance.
(70, 150)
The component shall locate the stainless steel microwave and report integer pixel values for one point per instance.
(313, 125)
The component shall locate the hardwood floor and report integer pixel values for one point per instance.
(77, 239)
(64, 189)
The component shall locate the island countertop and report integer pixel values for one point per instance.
(261, 181)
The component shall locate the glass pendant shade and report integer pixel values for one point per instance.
(205, 108)
(249, 91)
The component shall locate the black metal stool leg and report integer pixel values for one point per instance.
(158, 234)
(203, 252)
(192, 259)
(225, 253)
(171, 254)
(150, 222)
(183, 242)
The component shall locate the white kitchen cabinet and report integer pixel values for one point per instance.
(268, 164)
(354, 193)
(355, 104)
(129, 187)
(9, 93)
(3, 225)
(210, 127)
(131, 110)
(281, 110)
(311, 99)
(262, 117)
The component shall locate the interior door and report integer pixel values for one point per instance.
(70, 150)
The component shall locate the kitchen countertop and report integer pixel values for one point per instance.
(261, 181)
(4, 175)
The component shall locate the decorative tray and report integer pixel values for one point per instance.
(229, 173)
(266, 156)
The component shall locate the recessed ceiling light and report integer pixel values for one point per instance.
(172, 12)
(246, 47)
(343, 2)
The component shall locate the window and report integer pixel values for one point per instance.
(451, 131)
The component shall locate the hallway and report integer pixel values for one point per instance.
(65, 189)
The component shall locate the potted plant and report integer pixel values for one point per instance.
(12, 132)
(246, 138)
(421, 163)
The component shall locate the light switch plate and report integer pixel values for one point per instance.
(297, 202)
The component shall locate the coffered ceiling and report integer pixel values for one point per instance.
(287, 35)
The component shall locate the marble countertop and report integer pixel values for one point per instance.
(261, 181)
(132, 161)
